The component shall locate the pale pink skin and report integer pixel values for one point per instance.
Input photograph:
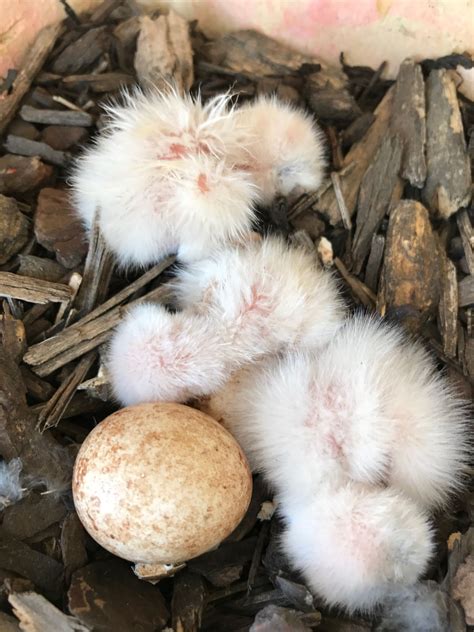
(358, 441)
(240, 304)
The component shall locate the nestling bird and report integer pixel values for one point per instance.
(240, 304)
(162, 178)
(359, 441)
(170, 174)
(287, 149)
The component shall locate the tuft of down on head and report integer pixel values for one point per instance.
(158, 356)
(159, 177)
(355, 544)
(268, 294)
(288, 148)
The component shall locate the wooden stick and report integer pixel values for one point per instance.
(336, 183)
(359, 289)
(448, 306)
(97, 272)
(467, 238)
(55, 117)
(51, 414)
(33, 62)
(33, 290)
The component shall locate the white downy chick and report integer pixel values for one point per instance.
(356, 544)
(162, 178)
(370, 406)
(288, 150)
(267, 295)
(155, 355)
(329, 430)
(238, 306)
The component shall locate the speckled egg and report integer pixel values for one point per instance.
(160, 483)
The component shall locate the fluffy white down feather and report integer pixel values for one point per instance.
(254, 300)
(155, 355)
(268, 295)
(163, 178)
(287, 148)
(328, 430)
(11, 487)
(355, 544)
(370, 406)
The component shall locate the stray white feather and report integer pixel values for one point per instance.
(11, 488)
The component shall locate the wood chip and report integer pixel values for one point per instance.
(12, 335)
(32, 514)
(63, 137)
(41, 268)
(20, 175)
(188, 602)
(82, 53)
(34, 60)
(448, 306)
(408, 121)
(42, 570)
(8, 623)
(374, 262)
(254, 54)
(18, 127)
(13, 228)
(104, 82)
(298, 594)
(33, 290)
(36, 614)
(73, 545)
(448, 184)
(56, 117)
(356, 163)
(53, 411)
(357, 129)
(224, 565)
(25, 147)
(42, 457)
(466, 291)
(410, 286)
(377, 189)
(106, 595)
(467, 238)
(58, 228)
(336, 183)
(331, 102)
(164, 55)
(127, 31)
(97, 272)
(36, 387)
(360, 291)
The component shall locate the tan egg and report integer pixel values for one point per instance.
(160, 483)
